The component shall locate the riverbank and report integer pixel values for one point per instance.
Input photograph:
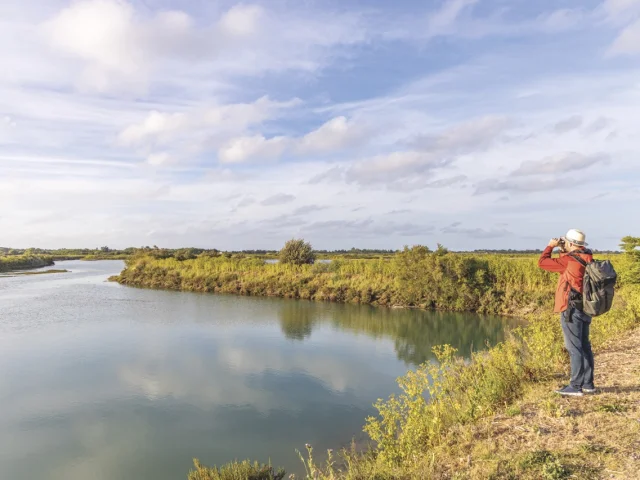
(414, 277)
(24, 262)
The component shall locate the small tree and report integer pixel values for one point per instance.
(297, 252)
(441, 250)
(631, 246)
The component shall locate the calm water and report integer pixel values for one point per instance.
(107, 382)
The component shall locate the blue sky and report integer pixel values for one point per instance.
(472, 123)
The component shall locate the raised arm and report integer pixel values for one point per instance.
(556, 265)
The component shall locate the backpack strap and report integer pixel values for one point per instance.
(580, 260)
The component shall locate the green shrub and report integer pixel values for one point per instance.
(439, 395)
(297, 252)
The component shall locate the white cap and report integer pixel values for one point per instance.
(576, 237)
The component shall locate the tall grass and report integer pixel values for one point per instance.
(412, 278)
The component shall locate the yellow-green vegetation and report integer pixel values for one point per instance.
(443, 424)
(236, 471)
(94, 257)
(23, 262)
(414, 277)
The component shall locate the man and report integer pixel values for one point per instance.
(568, 302)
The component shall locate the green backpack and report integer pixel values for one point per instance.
(598, 286)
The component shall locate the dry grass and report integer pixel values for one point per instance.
(545, 436)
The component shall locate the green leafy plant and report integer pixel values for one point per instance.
(631, 246)
(297, 252)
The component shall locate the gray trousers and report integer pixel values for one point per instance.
(575, 327)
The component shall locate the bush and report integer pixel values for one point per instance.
(297, 252)
(439, 395)
(631, 246)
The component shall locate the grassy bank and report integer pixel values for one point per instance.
(440, 426)
(544, 436)
(412, 278)
(24, 262)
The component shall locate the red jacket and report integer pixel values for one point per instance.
(571, 274)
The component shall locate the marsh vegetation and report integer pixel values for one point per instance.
(23, 262)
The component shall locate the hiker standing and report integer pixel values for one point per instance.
(571, 266)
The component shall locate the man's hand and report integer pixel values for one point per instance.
(553, 243)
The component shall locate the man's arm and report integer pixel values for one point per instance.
(556, 265)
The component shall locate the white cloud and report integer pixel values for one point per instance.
(440, 22)
(239, 150)
(196, 131)
(465, 137)
(278, 199)
(120, 47)
(333, 136)
(160, 127)
(561, 163)
(336, 134)
(563, 19)
(159, 158)
(415, 169)
(598, 125)
(156, 126)
(102, 33)
(522, 187)
(628, 42)
(617, 7)
(241, 19)
(117, 47)
(393, 168)
(571, 123)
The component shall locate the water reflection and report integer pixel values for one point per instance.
(297, 319)
(414, 332)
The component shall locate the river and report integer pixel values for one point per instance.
(109, 382)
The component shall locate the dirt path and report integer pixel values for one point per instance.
(545, 436)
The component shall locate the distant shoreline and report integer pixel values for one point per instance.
(15, 263)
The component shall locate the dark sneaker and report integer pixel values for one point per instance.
(589, 390)
(569, 391)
